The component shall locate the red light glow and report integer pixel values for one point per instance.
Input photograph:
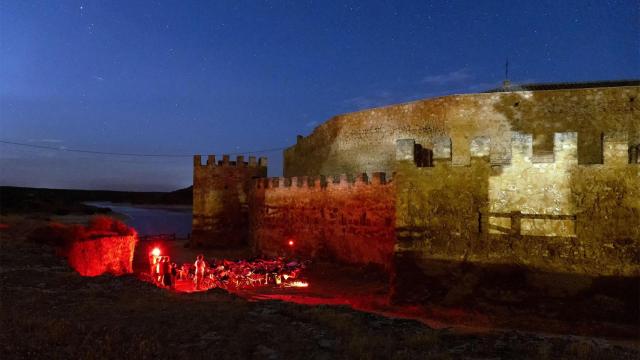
(297, 284)
(155, 252)
(109, 254)
(290, 242)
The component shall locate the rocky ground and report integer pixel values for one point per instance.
(49, 311)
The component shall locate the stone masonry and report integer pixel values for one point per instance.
(454, 126)
(220, 199)
(546, 180)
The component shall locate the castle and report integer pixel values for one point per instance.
(544, 177)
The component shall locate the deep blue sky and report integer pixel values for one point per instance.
(231, 76)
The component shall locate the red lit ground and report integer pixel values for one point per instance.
(47, 310)
(367, 290)
(329, 284)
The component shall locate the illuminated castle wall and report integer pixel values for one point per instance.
(546, 179)
(348, 218)
(452, 126)
(220, 199)
(555, 215)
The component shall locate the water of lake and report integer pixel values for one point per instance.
(153, 219)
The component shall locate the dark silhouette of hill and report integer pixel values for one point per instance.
(63, 201)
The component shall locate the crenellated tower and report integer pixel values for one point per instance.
(220, 199)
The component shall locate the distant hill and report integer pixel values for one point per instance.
(178, 197)
(62, 201)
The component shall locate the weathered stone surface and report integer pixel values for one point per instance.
(541, 180)
(351, 221)
(405, 149)
(366, 140)
(220, 190)
(556, 217)
(105, 254)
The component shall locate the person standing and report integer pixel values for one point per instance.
(166, 272)
(159, 270)
(200, 267)
(174, 274)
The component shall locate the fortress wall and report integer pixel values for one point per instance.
(545, 212)
(365, 140)
(346, 219)
(220, 191)
(548, 214)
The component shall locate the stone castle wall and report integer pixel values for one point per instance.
(220, 199)
(553, 215)
(541, 179)
(347, 219)
(452, 126)
(544, 213)
(523, 190)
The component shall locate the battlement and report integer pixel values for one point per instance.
(322, 182)
(220, 191)
(616, 150)
(239, 162)
(565, 149)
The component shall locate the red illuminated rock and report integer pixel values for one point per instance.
(104, 246)
(105, 253)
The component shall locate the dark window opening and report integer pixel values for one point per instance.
(634, 154)
(423, 157)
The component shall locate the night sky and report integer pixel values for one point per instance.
(213, 77)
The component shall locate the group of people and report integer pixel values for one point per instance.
(226, 273)
(164, 272)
